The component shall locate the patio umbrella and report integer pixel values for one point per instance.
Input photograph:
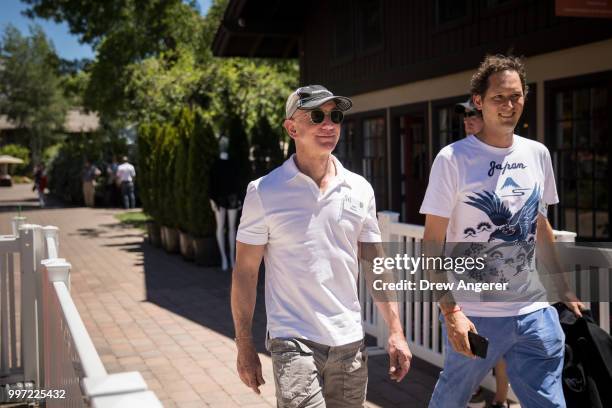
(5, 160)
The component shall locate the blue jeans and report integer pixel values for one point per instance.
(127, 192)
(531, 344)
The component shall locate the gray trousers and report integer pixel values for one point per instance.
(313, 375)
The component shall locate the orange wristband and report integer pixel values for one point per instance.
(457, 308)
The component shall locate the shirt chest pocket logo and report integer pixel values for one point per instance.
(352, 211)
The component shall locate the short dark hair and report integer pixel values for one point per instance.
(493, 64)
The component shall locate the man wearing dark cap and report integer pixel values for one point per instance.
(308, 219)
(472, 118)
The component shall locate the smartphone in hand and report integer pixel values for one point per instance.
(478, 344)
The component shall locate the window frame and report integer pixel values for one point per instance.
(551, 88)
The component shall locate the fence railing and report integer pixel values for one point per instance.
(52, 349)
(419, 313)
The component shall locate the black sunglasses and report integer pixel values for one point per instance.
(471, 113)
(317, 116)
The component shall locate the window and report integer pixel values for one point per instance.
(370, 25)
(346, 148)
(374, 154)
(358, 27)
(527, 124)
(448, 11)
(496, 3)
(343, 29)
(581, 151)
(448, 125)
(413, 164)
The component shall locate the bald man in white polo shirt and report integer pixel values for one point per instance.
(308, 219)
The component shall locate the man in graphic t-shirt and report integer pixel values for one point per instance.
(491, 192)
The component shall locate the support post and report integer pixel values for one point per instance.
(29, 240)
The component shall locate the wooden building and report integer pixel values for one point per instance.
(406, 63)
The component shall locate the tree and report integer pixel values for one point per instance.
(168, 198)
(184, 125)
(238, 150)
(124, 33)
(146, 144)
(203, 151)
(265, 142)
(30, 89)
(249, 88)
(157, 87)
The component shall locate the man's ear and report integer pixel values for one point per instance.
(477, 101)
(289, 126)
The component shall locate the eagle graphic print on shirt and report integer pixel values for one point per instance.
(492, 197)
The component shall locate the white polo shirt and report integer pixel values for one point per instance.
(126, 172)
(311, 250)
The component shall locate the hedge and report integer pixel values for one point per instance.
(175, 162)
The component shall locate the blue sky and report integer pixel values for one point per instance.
(66, 45)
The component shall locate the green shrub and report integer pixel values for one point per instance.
(167, 198)
(20, 152)
(238, 150)
(267, 153)
(143, 165)
(155, 175)
(203, 151)
(66, 165)
(65, 170)
(184, 127)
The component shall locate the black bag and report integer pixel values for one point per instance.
(587, 367)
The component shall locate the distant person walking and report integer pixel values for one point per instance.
(126, 174)
(88, 176)
(40, 183)
(112, 188)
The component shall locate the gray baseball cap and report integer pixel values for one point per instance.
(465, 107)
(313, 96)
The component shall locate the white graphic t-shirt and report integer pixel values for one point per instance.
(492, 196)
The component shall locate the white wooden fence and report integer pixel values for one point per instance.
(420, 316)
(44, 343)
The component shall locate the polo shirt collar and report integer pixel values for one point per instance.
(291, 170)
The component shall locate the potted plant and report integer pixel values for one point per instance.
(147, 134)
(184, 128)
(203, 150)
(170, 236)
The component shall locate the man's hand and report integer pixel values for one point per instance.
(457, 328)
(573, 303)
(249, 365)
(399, 356)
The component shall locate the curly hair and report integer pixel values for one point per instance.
(493, 64)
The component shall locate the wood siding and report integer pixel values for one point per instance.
(414, 47)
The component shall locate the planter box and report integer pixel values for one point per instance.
(206, 252)
(154, 233)
(170, 239)
(186, 245)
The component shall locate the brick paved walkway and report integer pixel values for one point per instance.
(152, 312)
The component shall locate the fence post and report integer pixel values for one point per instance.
(4, 315)
(565, 236)
(385, 219)
(51, 234)
(121, 390)
(16, 223)
(58, 270)
(29, 241)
